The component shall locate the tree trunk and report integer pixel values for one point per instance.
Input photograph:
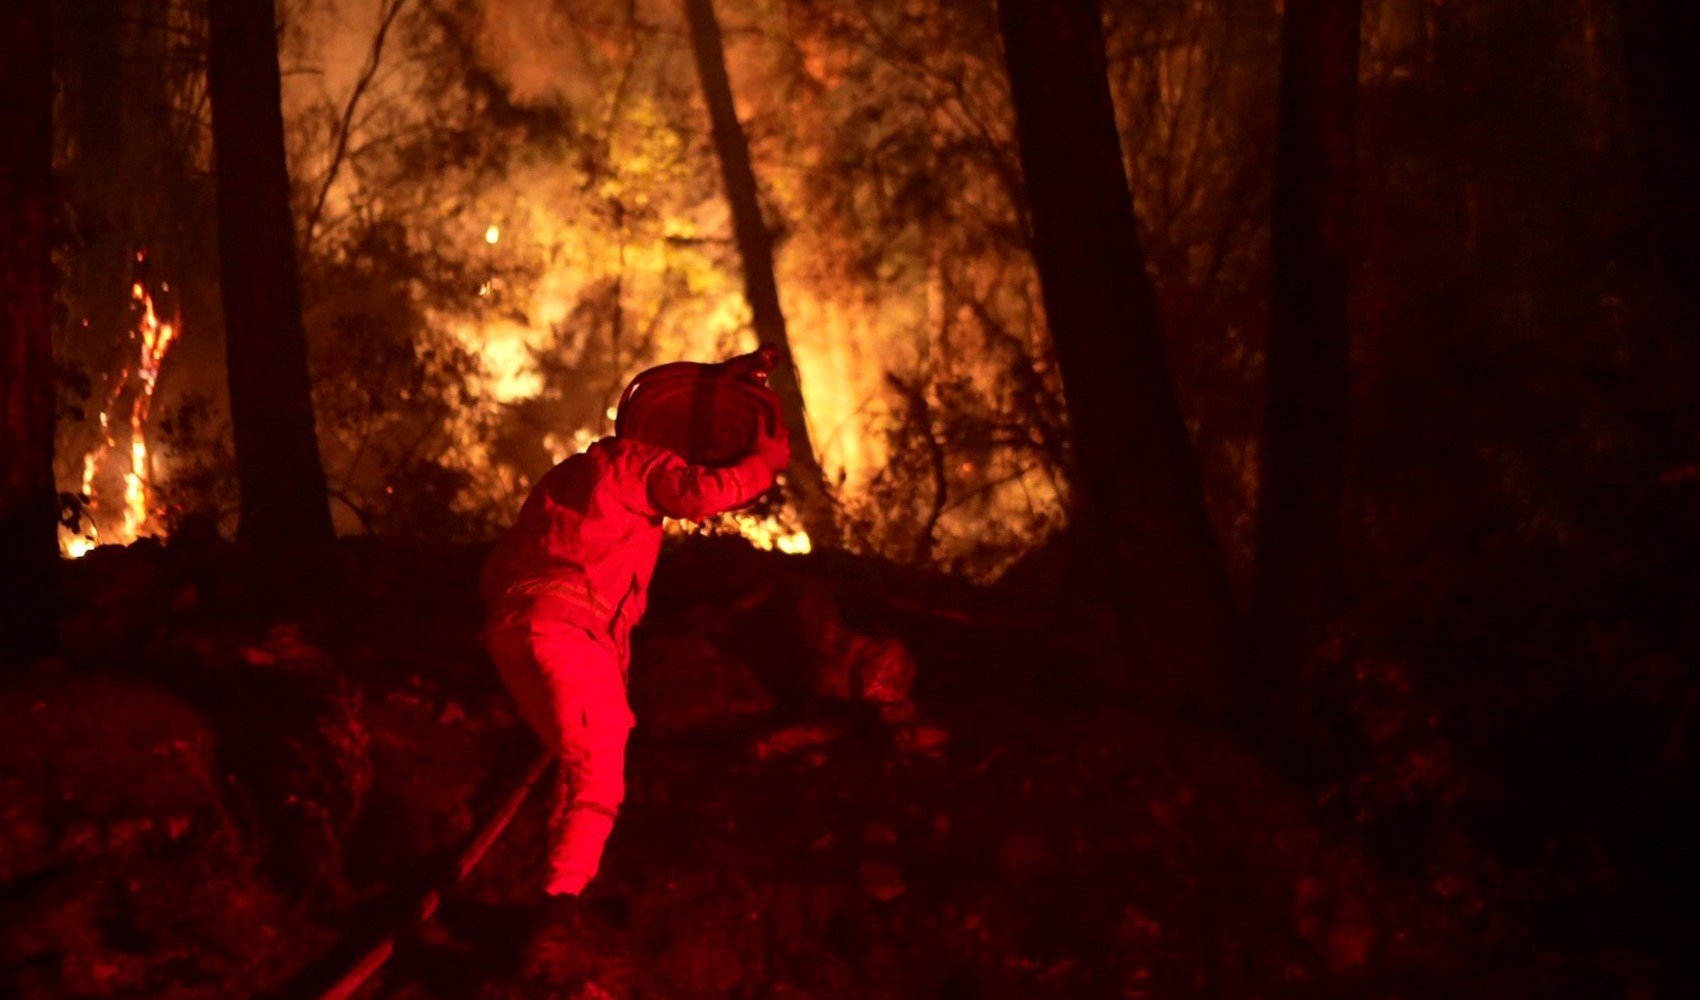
(1661, 54)
(29, 504)
(1302, 480)
(271, 404)
(1134, 466)
(755, 247)
(98, 179)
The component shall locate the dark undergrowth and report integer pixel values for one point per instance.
(846, 781)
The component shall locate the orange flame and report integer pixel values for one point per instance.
(156, 338)
(772, 532)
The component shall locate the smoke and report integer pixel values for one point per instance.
(512, 206)
(539, 52)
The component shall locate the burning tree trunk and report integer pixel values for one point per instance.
(271, 404)
(1133, 464)
(1304, 450)
(28, 499)
(755, 247)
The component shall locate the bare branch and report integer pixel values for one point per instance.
(345, 128)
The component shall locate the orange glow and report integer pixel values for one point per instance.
(768, 534)
(154, 338)
(772, 532)
(581, 270)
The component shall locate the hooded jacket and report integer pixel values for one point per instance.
(583, 548)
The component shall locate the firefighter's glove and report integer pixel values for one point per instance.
(775, 449)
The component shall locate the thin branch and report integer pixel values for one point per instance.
(993, 484)
(345, 128)
(361, 514)
(920, 414)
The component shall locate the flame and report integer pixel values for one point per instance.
(155, 338)
(770, 532)
(769, 535)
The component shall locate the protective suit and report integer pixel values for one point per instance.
(571, 579)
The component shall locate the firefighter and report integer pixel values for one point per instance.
(570, 579)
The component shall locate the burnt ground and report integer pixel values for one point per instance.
(848, 780)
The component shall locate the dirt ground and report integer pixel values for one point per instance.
(845, 782)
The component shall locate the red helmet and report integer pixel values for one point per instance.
(709, 414)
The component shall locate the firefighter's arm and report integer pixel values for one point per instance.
(690, 492)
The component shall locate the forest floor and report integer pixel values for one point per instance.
(847, 780)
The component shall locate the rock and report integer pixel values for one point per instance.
(921, 739)
(848, 664)
(882, 880)
(682, 684)
(879, 833)
(1351, 938)
(111, 749)
(121, 870)
(702, 966)
(26, 841)
(792, 739)
(855, 667)
(1023, 855)
(711, 937)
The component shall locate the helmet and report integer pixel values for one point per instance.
(708, 414)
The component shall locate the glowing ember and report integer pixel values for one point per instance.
(492, 235)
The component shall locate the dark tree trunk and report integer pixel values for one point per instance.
(755, 247)
(1134, 466)
(1661, 53)
(92, 99)
(1304, 448)
(271, 404)
(29, 503)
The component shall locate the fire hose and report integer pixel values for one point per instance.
(426, 907)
